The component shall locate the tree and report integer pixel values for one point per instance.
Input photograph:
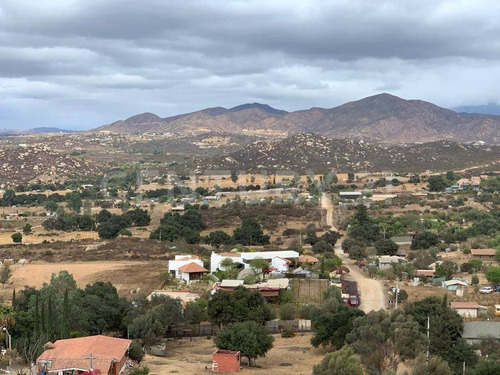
(139, 217)
(437, 183)
(357, 252)
(435, 366)
(252, 340)
(196, 312)
(250, 233)
(331, 237)
(384, 340)
(340, 362)
(244, 304)
(259, 265)
(424, 240)
(218, 238)
(17, 237)
(234, 176)
(27, 228)
(65, 317)
(386, 246)
(75, 202)
(165, 233)
(5, 274)
(493, 275)
(51, 206)
(147, 327)
(135, 352)
(322, 247)
(287, 311)
(111, 228)
(486, 367)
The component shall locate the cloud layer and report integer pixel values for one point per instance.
(82, 63)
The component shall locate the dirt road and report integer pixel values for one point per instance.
(327, 205)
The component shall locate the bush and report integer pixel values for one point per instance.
(306, 311)
(125, 232)
(135, 352)
(17, 237)
(287, 312)
(288, 333)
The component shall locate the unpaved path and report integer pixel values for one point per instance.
(327, 205)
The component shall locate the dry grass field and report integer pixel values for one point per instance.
(126, 276)
(288, 356)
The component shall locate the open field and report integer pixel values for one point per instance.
(126, 276)
(288, 356)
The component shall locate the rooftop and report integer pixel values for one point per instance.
(192, 268)
(483, 252)
(464, 305)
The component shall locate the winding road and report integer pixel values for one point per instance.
(371, 292)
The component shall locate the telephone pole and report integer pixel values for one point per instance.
(397, 293)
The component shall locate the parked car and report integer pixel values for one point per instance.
(353, 301)
(486, 290)
(497, 288)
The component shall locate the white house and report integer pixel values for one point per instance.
(279, 264)
(180, 261)
(467, 309)
(246, 258)
(386, 261)
(191, 272)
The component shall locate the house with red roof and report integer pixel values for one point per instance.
(191, 272)
(89, 355)
(180, 261)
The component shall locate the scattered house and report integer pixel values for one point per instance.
(432, 266)
(424, 273)
(386, 261)
(102, 354)
(350, 195)
(178, 208)
(191, 272)
(467, 309)
(402, 240)
(454, 284)
(474, 332)
(269, 288)
(308, 259)
(226, 361)
(180, 261)
(483, 254)
(246, 258)
(280, 265)
(186, 296)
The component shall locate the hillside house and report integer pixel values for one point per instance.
(454, 284)
(102, 354)
(191, 272)
(280, 265)
(475, 332)
(182, 260)
(245, 258)
(484, 254)
(308, 259)
(386, 261)
(467, 309)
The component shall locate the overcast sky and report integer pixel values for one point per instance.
(83, 63)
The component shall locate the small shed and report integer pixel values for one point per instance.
(484, 254)
(226, 361)
(454, 284)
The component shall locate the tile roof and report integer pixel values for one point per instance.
(308, 259)
(75, 353)
(192, 268)
(485, 252)
(464, 305)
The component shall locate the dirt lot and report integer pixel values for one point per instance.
(288, 356)
(124, 275)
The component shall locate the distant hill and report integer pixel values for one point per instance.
(381, 118)
(305, 151)
(488, 109)
(6, 132)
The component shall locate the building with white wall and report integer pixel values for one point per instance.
(180, 261)
(284, 258)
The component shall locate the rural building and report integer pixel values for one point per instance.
(483, 254)
(180, 261)
(474, 332)
(191, 272)
(424, 273)
(402, 240)
(269, 288)
(308, 259)
(350, 195)
(186, 296)
(103, 354)
(467, 309)
(386, 261)
(226, 361)
(454, 284)
(246, 258)
(279, 264)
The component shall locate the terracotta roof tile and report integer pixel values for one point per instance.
(192, 268)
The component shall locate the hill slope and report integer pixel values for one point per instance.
(381, 118)
(320, 154)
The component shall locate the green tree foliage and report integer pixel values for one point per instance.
(250, 338)
(363, 227)
(112, 227)
(135, 352)
(493, 275)
(139, 217)
(5, 274)
(424, 240)
(68, 222)
(331, 237)
(445, 328)
(17, 237)
(27, 228)
(196, 312)
(435, 366)
(174, 226)
(438, 183)
(218, 238)
(242, 305)
(74, 202)
(384, 340)
(148, 327)
(485, 367)
(340, 362)
(321, 247)
(250, 233)
(386, 246)
(287, 311)
(51, 206)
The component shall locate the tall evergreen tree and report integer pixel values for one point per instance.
(14, 299)
(43, 321)
(65, 317)
(37, 318)
(49, 319)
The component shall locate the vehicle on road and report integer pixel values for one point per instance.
(353, 301)
(486, 290)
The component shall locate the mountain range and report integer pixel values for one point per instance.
(382, 118)
(9, 132)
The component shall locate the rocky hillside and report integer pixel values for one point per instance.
(320, 154)
(381, 118)
(25, 164)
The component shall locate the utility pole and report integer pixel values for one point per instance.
(428, 339)
(397, 293)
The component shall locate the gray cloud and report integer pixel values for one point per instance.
(82, 63)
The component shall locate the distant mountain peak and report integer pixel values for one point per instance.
(145, 117)
(264, 107)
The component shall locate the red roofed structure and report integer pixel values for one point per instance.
(192, 271)
(92, 354)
